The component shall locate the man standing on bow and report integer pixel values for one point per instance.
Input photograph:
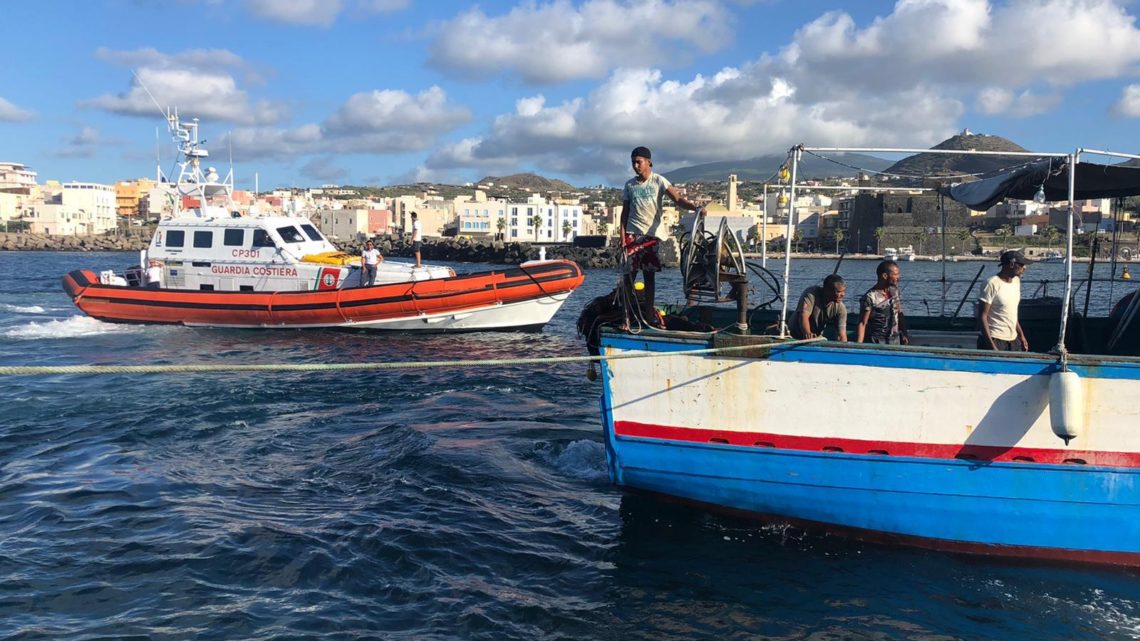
(998, 325)
(641, 212)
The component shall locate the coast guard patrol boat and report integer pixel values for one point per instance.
(208, 265)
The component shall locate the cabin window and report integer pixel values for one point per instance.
(290, 234)
(261, 239)
(234, 238)
(203, 239)
(312, 232)
(175, 238)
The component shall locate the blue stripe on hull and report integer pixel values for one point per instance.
(1038, 506)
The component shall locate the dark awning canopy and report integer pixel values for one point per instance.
(1093, 181)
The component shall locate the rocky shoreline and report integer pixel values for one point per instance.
(434, 249)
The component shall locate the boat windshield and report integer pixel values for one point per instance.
(290, 234)
(312, 232)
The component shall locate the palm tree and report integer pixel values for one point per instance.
(566, 229)
(879, 233)
(536, 223)
(1051, 234)
(1002, 232)
(839, 236)
(796, 238)
(964, 235)
(501, 224)
(604, 227)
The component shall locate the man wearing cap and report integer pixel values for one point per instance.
(641, 212)
(998, 327)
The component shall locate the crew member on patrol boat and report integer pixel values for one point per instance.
(370, 260)
(154, 274)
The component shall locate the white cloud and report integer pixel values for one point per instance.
(197, 82)
(901, 80)
(383, 122)
(82, 145)
(324, 169)
(966, 43)
(1129, 103)
(317, 13)
(11, 113)
(995, 101)
(693, 122)
(557, 41)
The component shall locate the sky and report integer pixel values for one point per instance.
(383, 92)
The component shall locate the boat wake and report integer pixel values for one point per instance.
(582, 460)
(71, 327)
(21, 309)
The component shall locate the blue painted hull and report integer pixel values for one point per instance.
(1081, 512)
(958, 503)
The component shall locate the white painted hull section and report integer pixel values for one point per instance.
(524, 314)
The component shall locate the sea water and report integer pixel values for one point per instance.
(450, 503)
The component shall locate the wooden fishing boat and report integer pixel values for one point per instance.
(209, 266)
(935, 444)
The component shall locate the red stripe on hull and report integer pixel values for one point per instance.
(941, 545)
(982, 453)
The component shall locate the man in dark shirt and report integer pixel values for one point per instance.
(880, 310)
(820, 307)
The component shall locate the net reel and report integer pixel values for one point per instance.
(713, 268)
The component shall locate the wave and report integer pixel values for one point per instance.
(71, 327)
(22, 309)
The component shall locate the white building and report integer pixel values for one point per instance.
(557, 222)
(14, 175)
(82, 209)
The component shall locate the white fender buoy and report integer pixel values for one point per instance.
(1066, 405)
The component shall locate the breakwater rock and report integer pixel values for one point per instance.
(41, 242)
(434, 249)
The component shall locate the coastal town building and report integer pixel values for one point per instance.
(353, 224)
(77, 209)
(129, 197)
(537, 220)
(18, 190)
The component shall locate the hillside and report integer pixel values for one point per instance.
(528, 182)
(765, 167)
(929, 165)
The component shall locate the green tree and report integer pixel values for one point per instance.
(839, 236)
(1003, 233)
(604, 227)
(501, 224)
(536, 223)
(964, 237)
(566, 229)
(1051, 235)
(880, 232)
(796, 238)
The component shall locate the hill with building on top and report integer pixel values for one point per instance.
(765, 168)
(932, 165)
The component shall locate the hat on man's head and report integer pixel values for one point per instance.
(642, 152)
(1014, 256)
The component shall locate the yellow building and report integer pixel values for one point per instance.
(129, 194)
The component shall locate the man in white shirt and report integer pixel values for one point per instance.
(417, 237)
(641, 227)
(998, 326)
(370, 260)
(154, 274)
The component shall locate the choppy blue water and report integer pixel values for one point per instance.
(421, 504)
